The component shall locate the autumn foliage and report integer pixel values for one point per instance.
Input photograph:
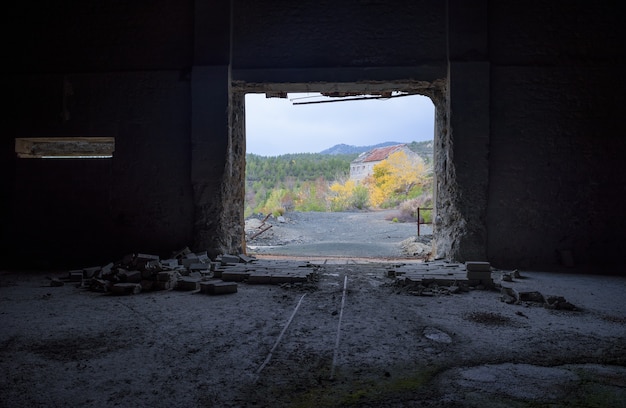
(396, 179)
(316, 182)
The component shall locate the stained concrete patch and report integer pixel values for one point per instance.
(512, 385)
(519, 381)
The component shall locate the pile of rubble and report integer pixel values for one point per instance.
(442, 277)
(187, 271)
(445, 278)
(418, 246)
(136, 273)
(531, 298)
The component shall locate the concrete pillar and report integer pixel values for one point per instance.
(468, 165)
(462, 160)
(209, 146)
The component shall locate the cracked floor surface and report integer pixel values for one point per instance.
(351, 338)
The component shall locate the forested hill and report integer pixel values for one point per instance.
(272, 171)
(302, 180)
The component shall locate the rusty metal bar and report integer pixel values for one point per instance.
(260, 232)
(418, 219)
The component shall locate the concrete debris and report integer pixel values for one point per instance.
(443, 273)
(187, 283)
(187, 271)
(473, 266)
(217, 287)
(125, 288)
(229, 259)
(56, 282)
(509, 276)
(529, 298)
(558, 303)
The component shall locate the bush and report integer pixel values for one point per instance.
(408, 209)
(360, 197)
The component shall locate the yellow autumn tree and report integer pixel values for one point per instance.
(394, 178)
(341, 195)
(347, 195)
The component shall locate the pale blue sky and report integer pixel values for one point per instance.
(275, 126)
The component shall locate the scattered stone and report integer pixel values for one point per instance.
(99, 285)
(558, 303)
(170, 264)
(530, 296)
(217, 287)
(125, 288)
(181, 253)
(164, 285)
(93, 271)
(246, 259)
(56, 282)
(190, 260)
(474, 266)
(76, 276)
(147, 285)
(507, 295)
(187, 283)
(130, 276)
(164, 276)
(199, 267)
(229, 259)
(437, 335)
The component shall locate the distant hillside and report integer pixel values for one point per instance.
(349, 149)
(424, 149)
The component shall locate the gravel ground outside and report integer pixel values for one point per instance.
(363, 234)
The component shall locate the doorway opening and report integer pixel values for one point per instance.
(331, 179)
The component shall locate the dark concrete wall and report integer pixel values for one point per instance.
(119, 69)
(81, 210)
(532, 94)
(326, 33)
(556, 146)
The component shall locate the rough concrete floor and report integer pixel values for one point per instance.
(353, 338)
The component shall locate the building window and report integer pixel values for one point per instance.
(65, 147)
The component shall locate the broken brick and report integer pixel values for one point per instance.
(229, 259)
(125, 288)
(187, 262)
(187, 283)
(170, 263)
(164, 276)
(91, 272)
(216, 287)
(76, 276)
(475, 266)
(179, 254)
(164, 285)
(199, 267)
(130, 276)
